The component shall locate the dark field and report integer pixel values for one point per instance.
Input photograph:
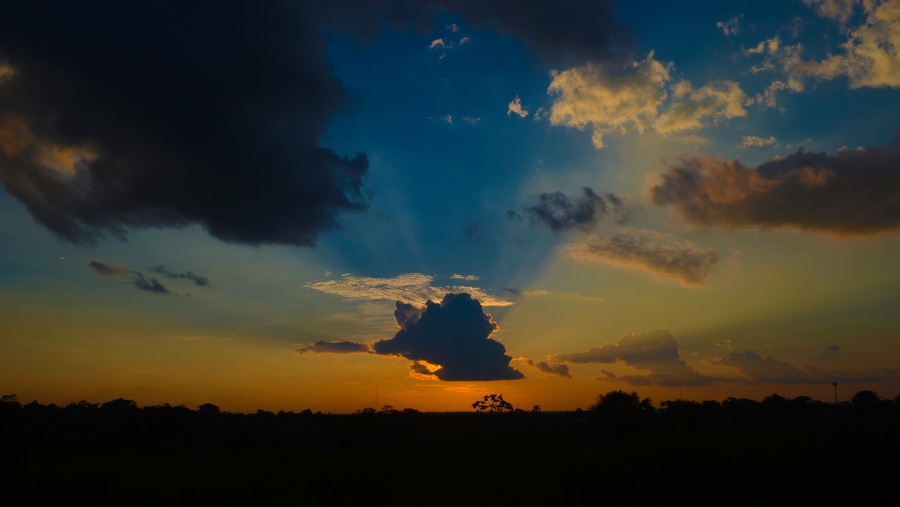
(738, 452)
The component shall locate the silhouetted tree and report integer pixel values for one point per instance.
(493, 403)
(618, 410)
(208, 410)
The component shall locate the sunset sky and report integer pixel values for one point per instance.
(250, 205)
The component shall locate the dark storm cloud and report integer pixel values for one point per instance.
(560, 32)
(201, 281)
(338, 347)
(656, 351)
(850, 193)
(157, 114)
(103, 269)
(152, 285)
(513, 216)
(560, 212)
(559, 369)
(454, 334)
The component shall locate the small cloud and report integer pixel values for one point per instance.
(512, 216)
(464, 40)
(455, 276)
(515, 107)
(475, 232)
(453, 27)
(732, 26)
(454, 334)
(333, 347)
(152, 285)
(757, 142)
(103, 269)
(471, 120)
(437, 43)
(561, 213)
(559, 369)
(198, 280)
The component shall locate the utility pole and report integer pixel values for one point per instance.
(835, 392)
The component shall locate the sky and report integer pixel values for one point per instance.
(348, 204)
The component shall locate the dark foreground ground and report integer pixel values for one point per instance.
(809, 454)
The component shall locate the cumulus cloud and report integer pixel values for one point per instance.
(103, 269)
(454, 334)
(870, 54)
(198, 280)
(635, 97)
(848, 193)
(415, 288)
(609, 100)
(333, 347)
(559, 369)
(515, 107)
(561, 213)
(650, 251)
(757, 142)
(839, 10)
(437, 43)
(203, 107)
(692, 107)
(656, 351)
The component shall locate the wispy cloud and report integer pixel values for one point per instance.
(732, 26)
(650, 251)
(198, 280)
(103, 269)
(413, 288)
(333, 347)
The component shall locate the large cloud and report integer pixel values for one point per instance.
(558, 31)
(149, 114)
(454, 334)
(848, 193)
(650, 251)
(656, 351)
